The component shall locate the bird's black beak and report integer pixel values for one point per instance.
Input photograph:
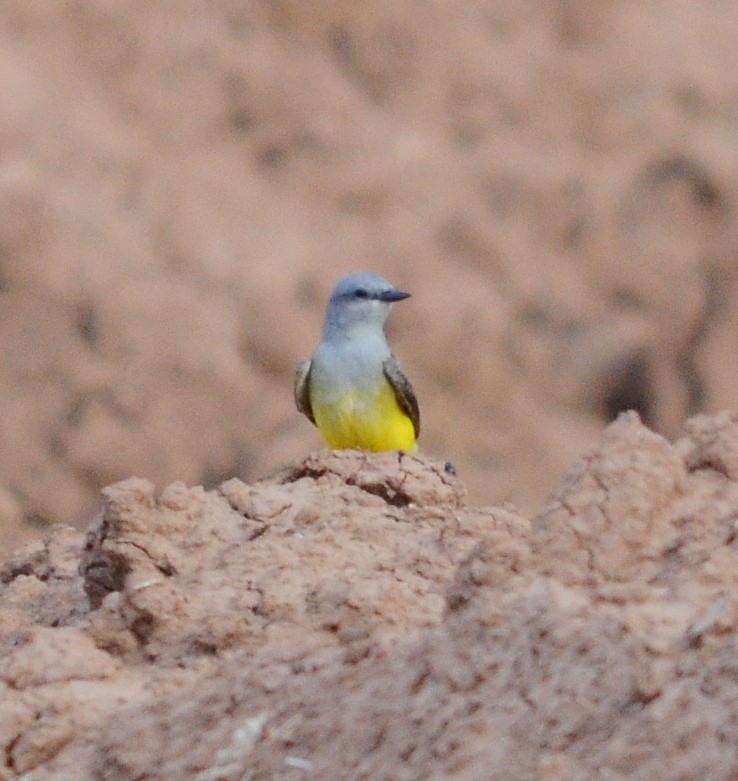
(393, 295)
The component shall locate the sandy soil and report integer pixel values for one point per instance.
(354, 617)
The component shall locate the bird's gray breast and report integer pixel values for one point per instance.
(347, 366)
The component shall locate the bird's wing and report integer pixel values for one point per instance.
(302, 390)
(403, 390)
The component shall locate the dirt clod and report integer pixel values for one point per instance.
(357, 637)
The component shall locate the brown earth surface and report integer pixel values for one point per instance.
(557, 185)
(182, 182)
(353, 617)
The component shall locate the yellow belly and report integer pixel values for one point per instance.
(372, 421)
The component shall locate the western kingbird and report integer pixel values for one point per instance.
(353, 388)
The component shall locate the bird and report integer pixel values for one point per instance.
(354, 389)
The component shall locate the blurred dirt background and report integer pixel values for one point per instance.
(182, 182)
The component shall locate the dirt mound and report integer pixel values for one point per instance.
(352, 617)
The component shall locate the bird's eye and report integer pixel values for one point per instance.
(361, 293)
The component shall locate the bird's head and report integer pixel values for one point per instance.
(361, 299)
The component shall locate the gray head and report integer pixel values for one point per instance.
(358, 301)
